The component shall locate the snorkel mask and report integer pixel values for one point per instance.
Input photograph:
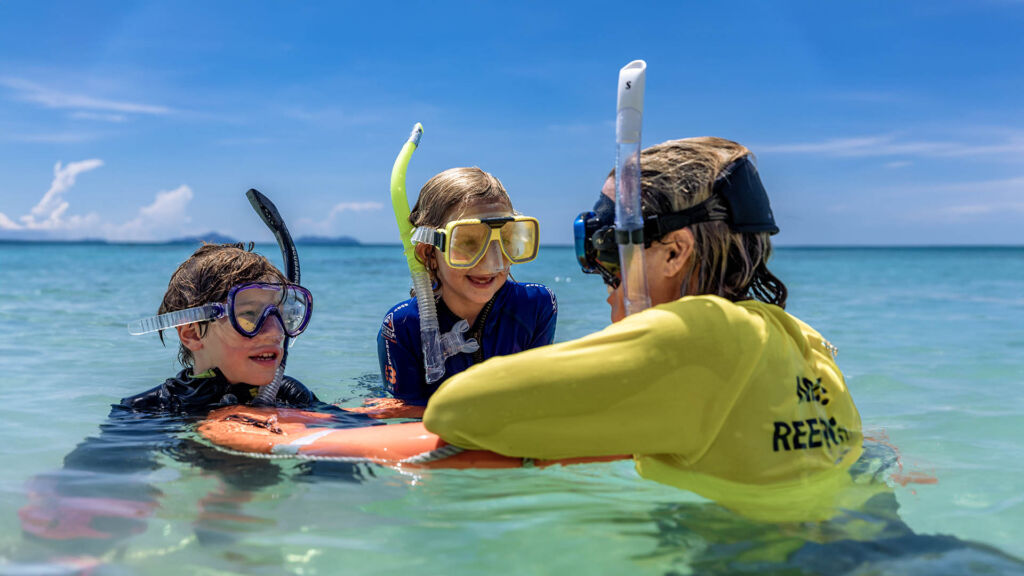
(468, 242)
(738, 197)
(248, 307)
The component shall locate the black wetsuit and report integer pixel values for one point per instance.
(187, 394)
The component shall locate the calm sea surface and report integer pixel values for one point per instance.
(931, 342)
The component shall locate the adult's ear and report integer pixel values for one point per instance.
(190, 337)
(678, 250)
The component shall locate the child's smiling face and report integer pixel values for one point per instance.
(242, 359)
(472, 288)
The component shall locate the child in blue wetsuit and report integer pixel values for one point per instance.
(468, 236)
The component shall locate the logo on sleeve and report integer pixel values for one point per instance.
(811, 391)
(387, 329)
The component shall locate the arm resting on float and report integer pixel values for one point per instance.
(640, 386)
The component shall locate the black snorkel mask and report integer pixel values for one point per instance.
(738, 197)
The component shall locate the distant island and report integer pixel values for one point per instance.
(209, 238)
(328, 241)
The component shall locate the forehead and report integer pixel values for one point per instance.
(480, 210)
(609, 187)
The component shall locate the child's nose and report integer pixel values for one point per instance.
(272, 327)
(494, 259)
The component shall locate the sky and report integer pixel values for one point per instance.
(874, 123)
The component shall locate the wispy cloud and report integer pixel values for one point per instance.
(326, 225)
(353, 207)
(963, 201)
(333, 116)
(897, 164)
(27, 91)
(114, 118)
(891, 145)
(867, 96)
(55, 138)
(166, 215)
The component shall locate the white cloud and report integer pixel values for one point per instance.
(353, 207)
(963, 201)
(48, 214)
(31, 92)
(897, 164)
(1011, 146)
(57, 138)
(326, 225)
(166, 214)
(115, 118)
(8, 224)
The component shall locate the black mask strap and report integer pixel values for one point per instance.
(740, 187)
(658, 225)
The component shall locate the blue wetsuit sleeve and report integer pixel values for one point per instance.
(401, 368)
(547, 315)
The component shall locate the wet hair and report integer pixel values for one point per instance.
(679, 174)
(449, 193)
(208, 275)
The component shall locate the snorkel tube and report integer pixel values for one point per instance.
(272, 218)
(430, 333)
(629, 216)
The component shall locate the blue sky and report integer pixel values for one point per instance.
(874, 122)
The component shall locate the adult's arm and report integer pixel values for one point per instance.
(657, 382)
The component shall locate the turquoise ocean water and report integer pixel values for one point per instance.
(930, 340)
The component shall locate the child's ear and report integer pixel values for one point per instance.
(190, 336)
(426, 254)
(423, 252)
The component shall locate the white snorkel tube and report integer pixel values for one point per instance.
(430, 333)
(629, 216)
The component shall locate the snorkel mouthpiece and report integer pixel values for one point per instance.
(629, 218)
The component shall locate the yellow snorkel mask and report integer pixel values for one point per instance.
(466, 242)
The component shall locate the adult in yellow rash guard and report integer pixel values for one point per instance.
(744, 392)
(719, 391)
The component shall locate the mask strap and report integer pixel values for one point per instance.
(427, 235)
(657, 226)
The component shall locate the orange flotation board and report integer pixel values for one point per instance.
(299, 434)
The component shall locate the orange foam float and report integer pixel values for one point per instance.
(299, 434)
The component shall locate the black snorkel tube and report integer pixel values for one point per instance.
(272, 218)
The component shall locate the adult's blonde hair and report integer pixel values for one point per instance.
(678, 174)
(451, 191)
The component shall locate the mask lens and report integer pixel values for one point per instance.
(294, 310)
(519, 240)
(252, 303)
(467, 244)
(249, 305)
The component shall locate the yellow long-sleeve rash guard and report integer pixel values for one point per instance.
(742, 391)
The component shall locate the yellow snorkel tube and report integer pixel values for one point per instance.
(430, 333)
